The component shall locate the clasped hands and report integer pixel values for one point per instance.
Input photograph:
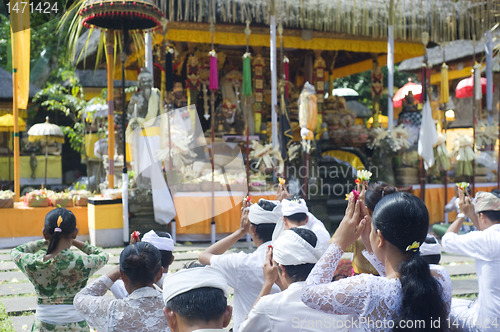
(356, 224)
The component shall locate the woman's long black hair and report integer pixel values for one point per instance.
(403, 220)
(67, 225)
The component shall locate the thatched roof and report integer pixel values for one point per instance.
(98, 79)
(454, 51)
(6, 86)
(445, 20)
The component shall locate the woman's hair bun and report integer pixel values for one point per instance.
(389, 190)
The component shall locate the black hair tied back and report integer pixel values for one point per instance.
(140, 262)
(403, 220)
(59, 223)
(376, 192)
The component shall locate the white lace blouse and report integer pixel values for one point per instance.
(372, 298)
(140, 311)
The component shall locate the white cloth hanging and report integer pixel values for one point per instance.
(427, 137)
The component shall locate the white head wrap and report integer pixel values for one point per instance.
(161, 243)
(188, 279)
(289, 207)
(430, 248)
(291, 249)
(258, 215)
(294, 206)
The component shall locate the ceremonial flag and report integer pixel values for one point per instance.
(20, 34)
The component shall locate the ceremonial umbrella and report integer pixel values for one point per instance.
(7, 124)
(124, 16)
(48, 132)
(416, 89)
(465, 88)
(344, 92)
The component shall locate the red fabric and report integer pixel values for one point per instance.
(416, 89)
(465, 88)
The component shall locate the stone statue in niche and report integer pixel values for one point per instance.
(228, 119)
(180, 99)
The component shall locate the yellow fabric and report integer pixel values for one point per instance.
(90, 140)
(312, 119)
(452, 75)
(7, 123)
(319, 122)
(226, 222)
(349, 157)
(193, 113)
(148, 132)
(359, 263)
(54, 167)
(434, 200)
(108, 216)
(445, 87)
(365, 65)
(257, 119)
(57, 139)
(20, 42)
(325, 44)
(384, 120)
(33, 220)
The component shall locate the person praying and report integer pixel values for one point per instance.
(243, 271)
(58, 273)
(484, 246)
(296, 214)
(140, 268)
(165, 244)
(196, 300)
(290, 260)
(408, 288)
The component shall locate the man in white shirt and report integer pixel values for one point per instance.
(296, 214)
(196, 300)
(243, 271)
(484, 246)
(290, 260)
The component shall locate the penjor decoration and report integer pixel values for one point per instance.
(258, 65)
(319, 69)
(377, 89)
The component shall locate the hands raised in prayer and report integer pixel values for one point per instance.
(361, 187)
(270, 269)
(465, 204)
(244, 221)
(365, 233)
(282, 193)
(353, 224)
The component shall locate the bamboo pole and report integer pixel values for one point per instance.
(111, 125)
(16, 134)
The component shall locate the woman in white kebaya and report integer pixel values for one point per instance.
(408, 290)
(140, 268)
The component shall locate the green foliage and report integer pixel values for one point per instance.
(362, 84)
(5, 323)
(75, 135)
(47, 41)
(66, 97)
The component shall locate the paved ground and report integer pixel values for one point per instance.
(18, 295)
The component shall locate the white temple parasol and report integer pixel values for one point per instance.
(46, 132)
